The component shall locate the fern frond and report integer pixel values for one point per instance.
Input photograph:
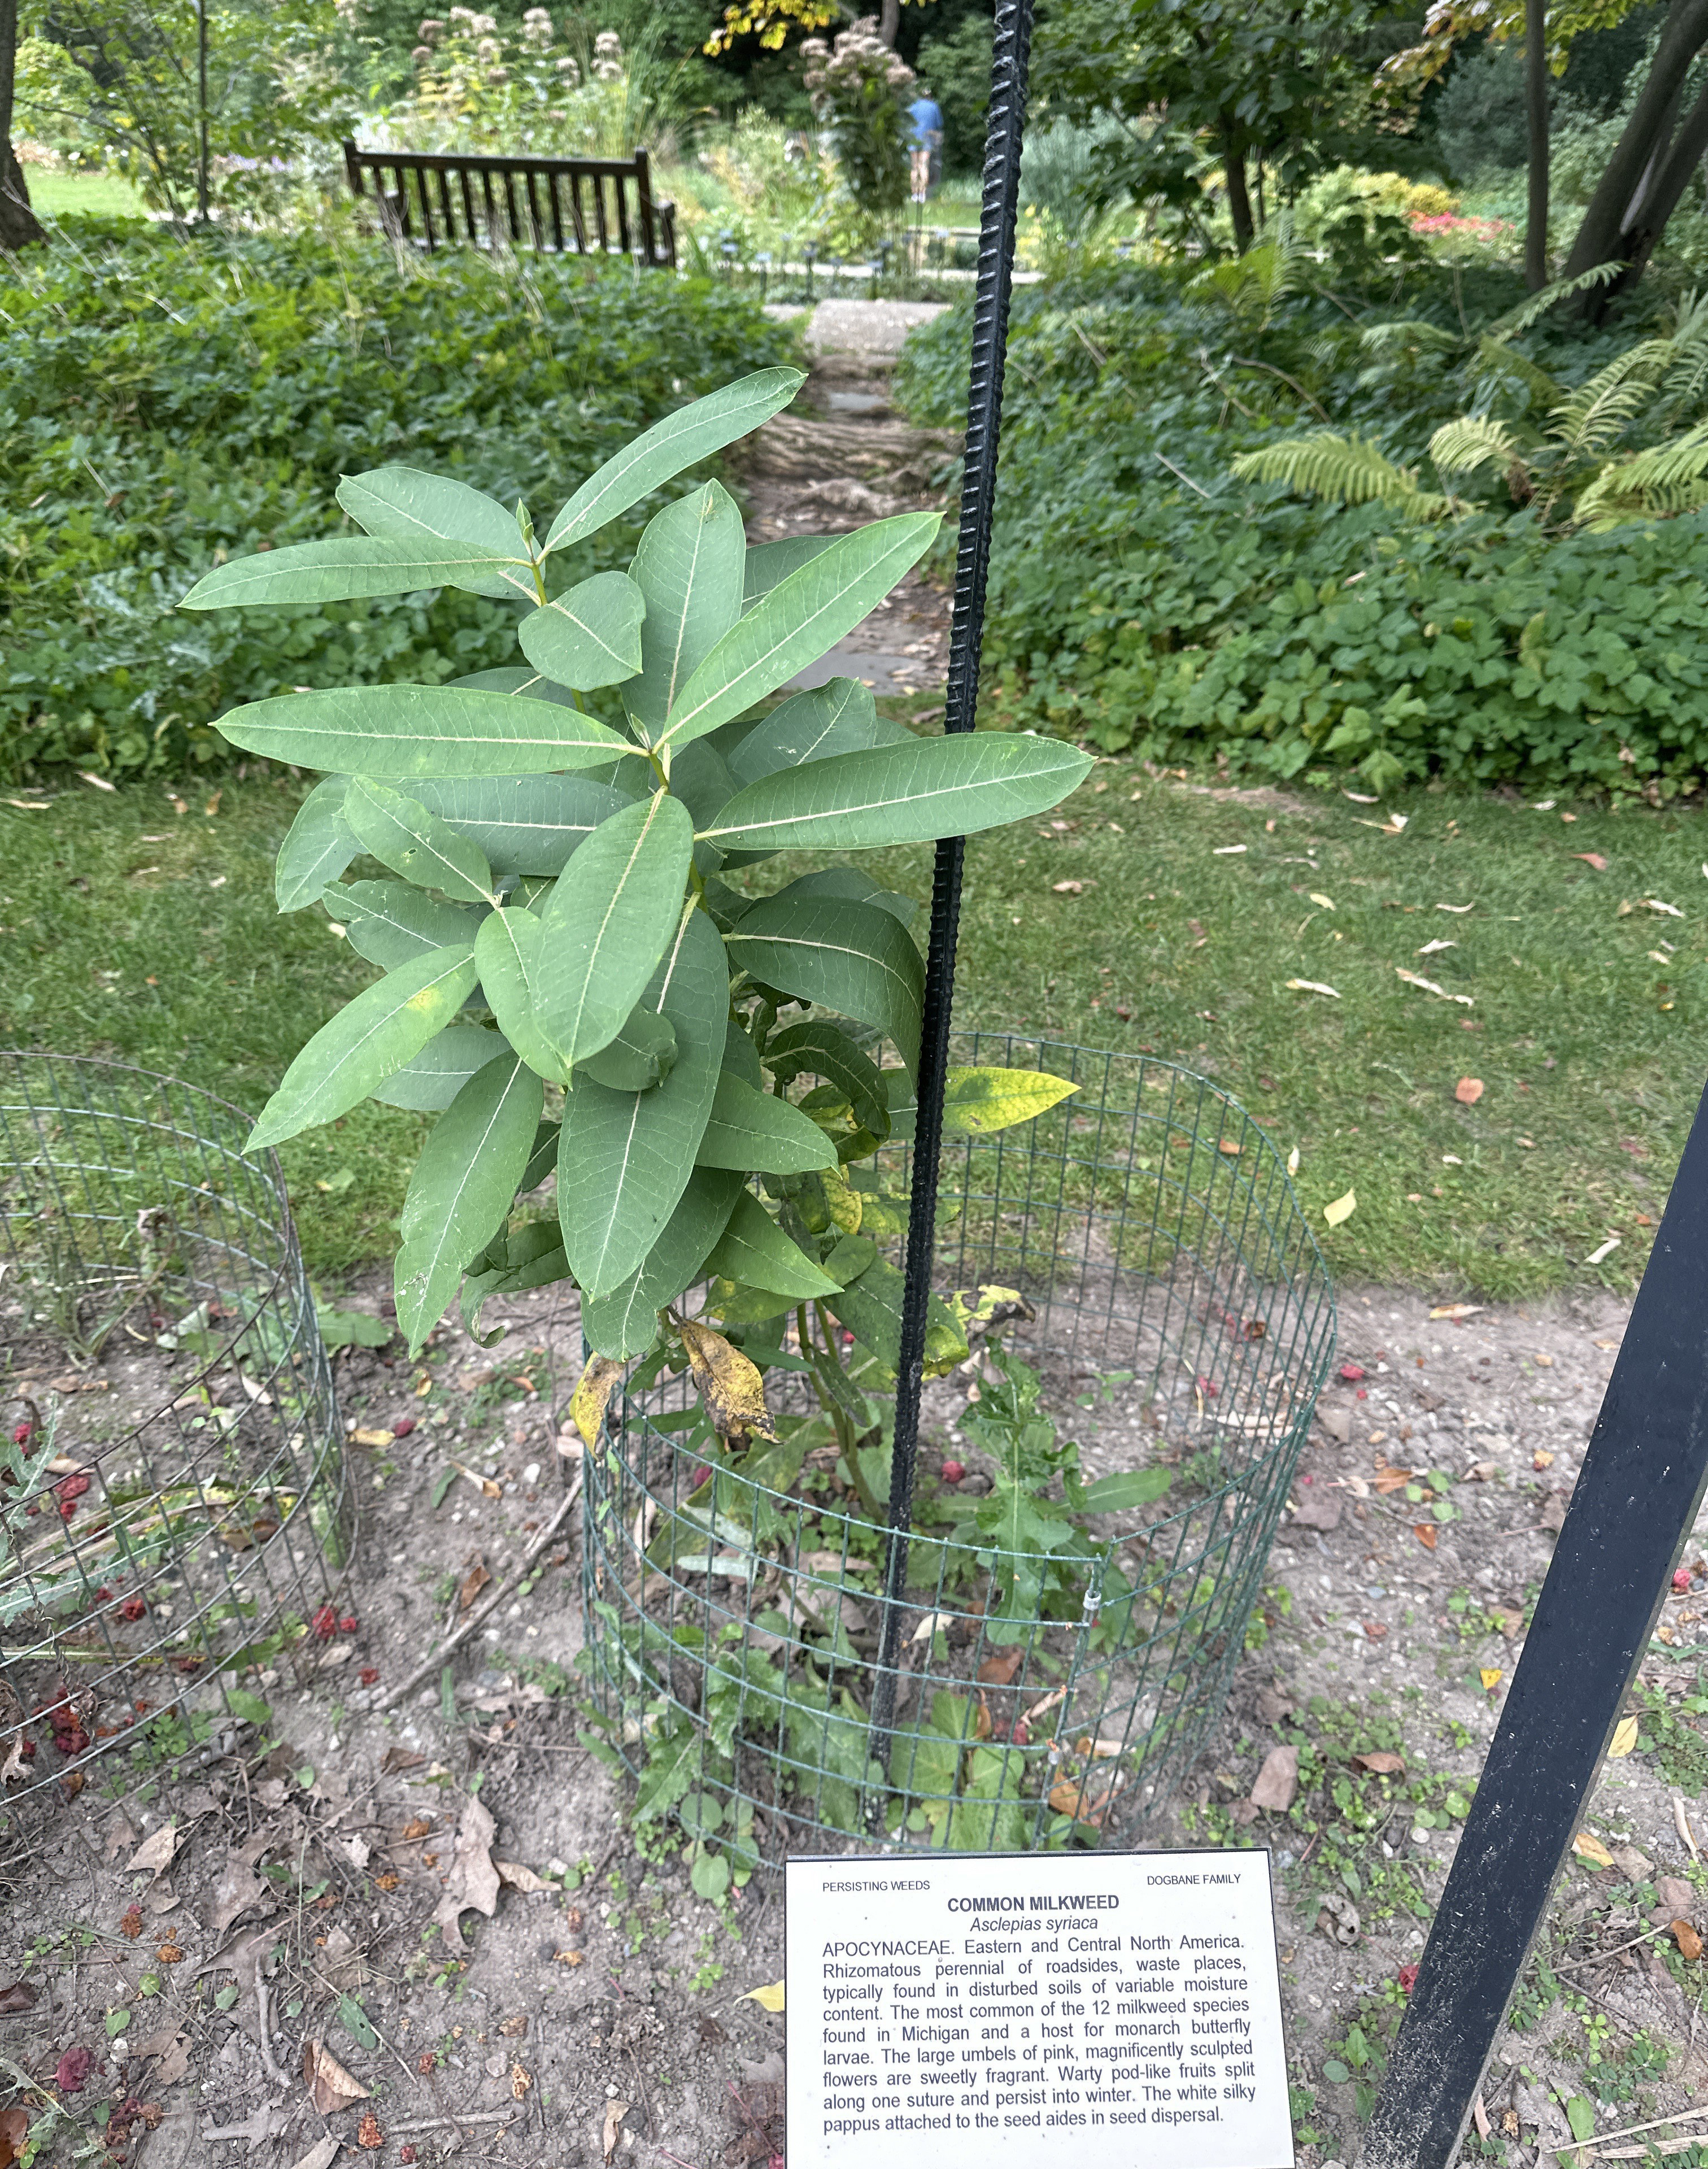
(1683, 382)
(1496, 359)
(1597, 412)
(1533, 311)
(1346, 469)
(1657, 484)
(1472, 441)
(1404, 332)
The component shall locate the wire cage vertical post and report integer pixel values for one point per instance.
(1010, 55)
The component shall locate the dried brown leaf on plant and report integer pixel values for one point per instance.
(330, 2087)
(615, 2111)
(593, 1392)
(731, 1387)
(473, 1880)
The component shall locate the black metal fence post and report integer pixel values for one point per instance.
(1635, 1502)
(1000, 212)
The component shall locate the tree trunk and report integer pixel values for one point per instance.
(1536, 112)
(1641, 151)
(1239, 202)
(19, 224)
(890, 22)
(1665, 184)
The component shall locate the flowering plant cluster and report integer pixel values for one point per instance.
(860, 90)
(481, 85)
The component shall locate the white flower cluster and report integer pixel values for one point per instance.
(537, 28)
(608, 57)
(860, 57)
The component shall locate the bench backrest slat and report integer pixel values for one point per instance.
(644, 230)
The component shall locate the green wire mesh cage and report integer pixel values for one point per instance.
(1053, 1688)
(174, 1498)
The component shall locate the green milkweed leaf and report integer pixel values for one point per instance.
(804, 615)
(405, 505)
(771, 561)
(870, 1308)
(838, 717)
(464, 1181)
(901, 794)
(370, 1038)
(608, 921)
(318, 848)
(389, 923)
(689, 571)
(818, 1048)
(590, 636)
(756, 1130)
(680, 440)
(625, 1158)
(344, 569)
(398, 732)
(525, 824)
(430, 1080)
(846, 957)
(754, 1252)
(400, 833)
(624, 1324)
(641, 1055)
(1121, 1493)
(507, 951)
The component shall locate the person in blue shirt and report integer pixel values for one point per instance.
(926, 141)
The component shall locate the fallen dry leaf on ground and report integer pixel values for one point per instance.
(474, 1582)
(1467, 1092)
(330, 2086)
(321, 2155)
(20, 1996)
(154, 1855)
(1429, 987)
(172, 2046)
(1341, 1208)
(1277, 1782)
(1593, 860)
(997, 1671)
(769, 1998)
(473, 1880)
(1383, 1762)
(1587, 1846)
(1623, 1738)
(1689, 1941)
(1393, 1479)
(239, 1887)
(1067, 887)
(14, 2129)
(615, 2111)
(1312, 987)
(1424, 1531)
(521, 1878)
(1456, 1310)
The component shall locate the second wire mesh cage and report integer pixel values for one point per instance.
(1060, 1668)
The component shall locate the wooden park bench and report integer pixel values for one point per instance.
(565, 206)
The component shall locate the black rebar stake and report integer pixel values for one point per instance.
(1635, 1505)
(1011, 48)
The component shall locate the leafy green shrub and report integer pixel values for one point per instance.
(165, 403)
(1143, 595)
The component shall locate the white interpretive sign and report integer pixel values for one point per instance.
(991, 2010)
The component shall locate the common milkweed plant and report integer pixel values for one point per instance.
(568, 980)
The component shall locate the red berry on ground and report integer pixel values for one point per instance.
(133, 1607)
(953, 1471)
(368, 1675)
(1408, 1979)
(349, 1623)
(1352, 1372)
(325, 1624)
(1681, 1578)
(403, 1426)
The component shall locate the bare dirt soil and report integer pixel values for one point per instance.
(306, 1902)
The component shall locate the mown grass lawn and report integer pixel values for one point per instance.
(134, 929)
